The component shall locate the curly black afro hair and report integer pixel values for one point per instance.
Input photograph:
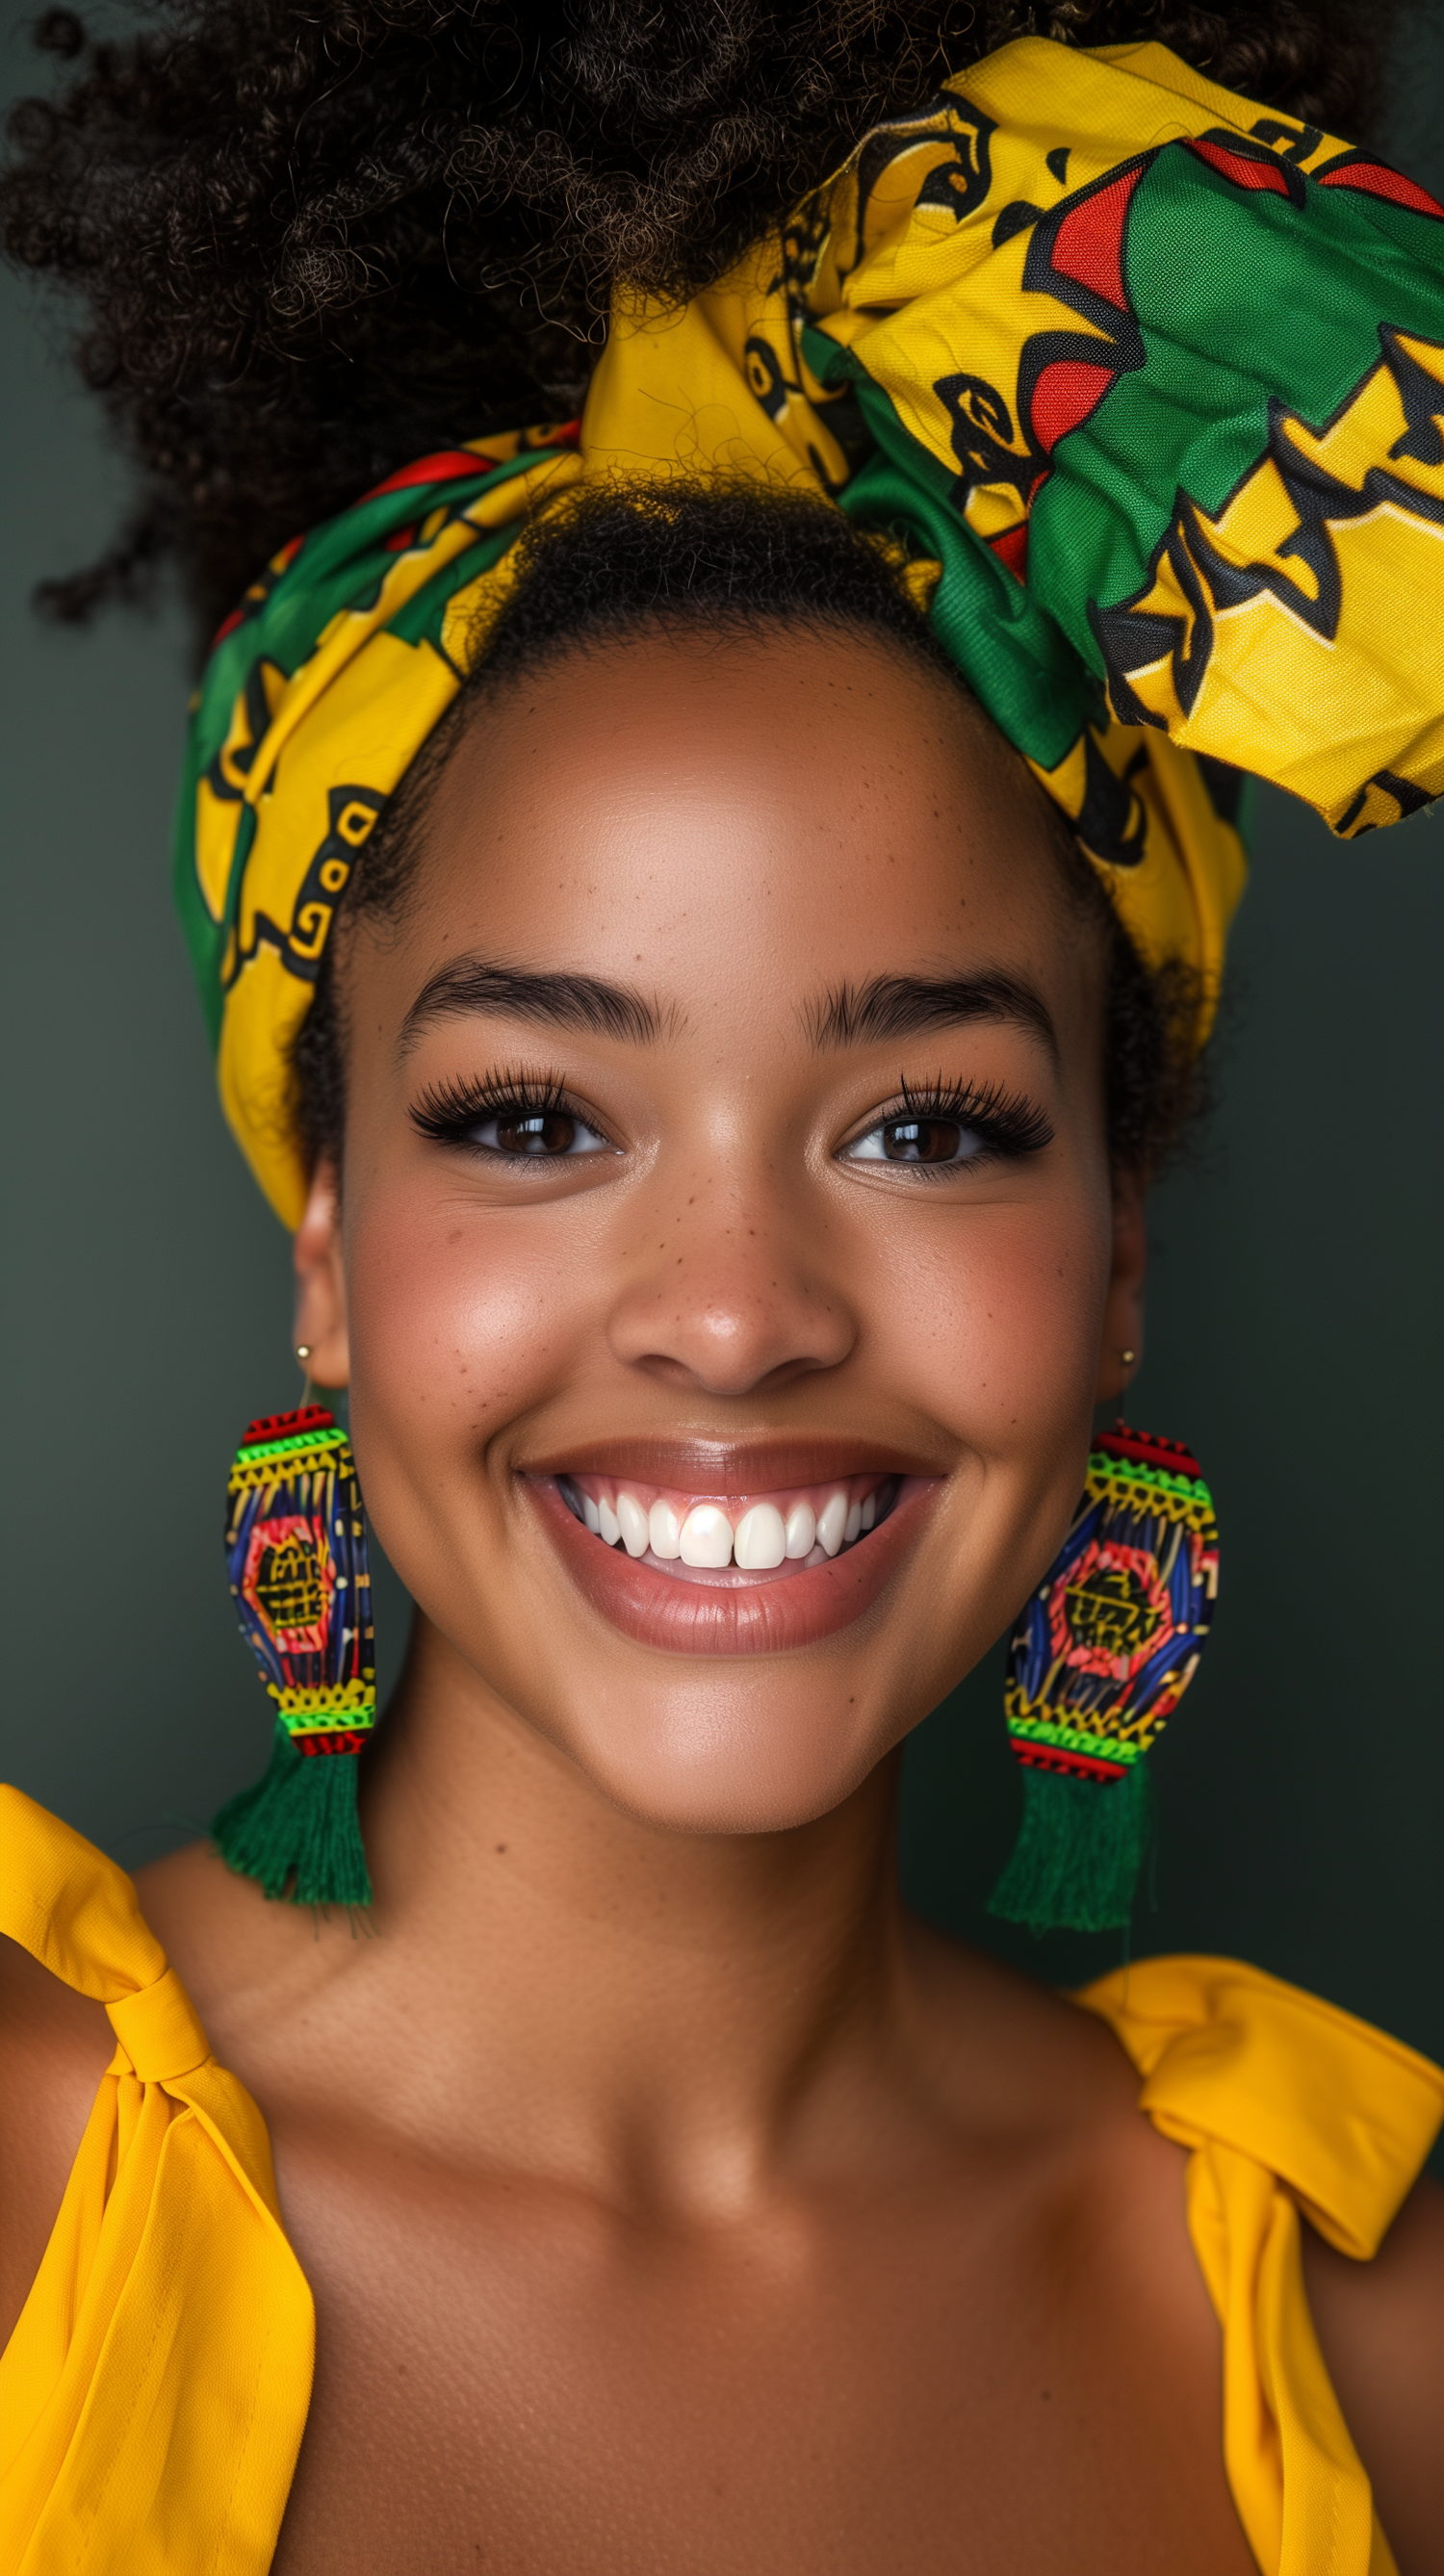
(317, 240)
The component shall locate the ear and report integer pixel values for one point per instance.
(1123, 1313)
(321, 1283)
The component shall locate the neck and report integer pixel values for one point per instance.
(670, 2013)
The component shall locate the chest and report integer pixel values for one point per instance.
(986, 2381)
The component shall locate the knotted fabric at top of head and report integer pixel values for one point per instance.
(1148, 382)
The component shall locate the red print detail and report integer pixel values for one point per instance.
(1086, 1653)
(1088, 244)
(1065, 394)
(285, 1426)
(1147, 1449)
(446, 466)
(1011, 548)
(1046, 1757)
(288, 1571)
(1377, 180)
(1242, 168)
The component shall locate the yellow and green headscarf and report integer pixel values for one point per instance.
(1151, 386)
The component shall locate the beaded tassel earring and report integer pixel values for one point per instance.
(296, 1553)
(1103, 1653)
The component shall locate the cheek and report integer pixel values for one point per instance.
(459, 1324)
(995, 1323)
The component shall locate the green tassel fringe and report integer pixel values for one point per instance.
(1074, 1867)
(297, 1830)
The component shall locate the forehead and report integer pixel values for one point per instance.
(736, 824)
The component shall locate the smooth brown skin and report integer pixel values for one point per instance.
(673, 2200)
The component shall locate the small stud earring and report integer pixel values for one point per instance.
(303, 1351)
(1127, 1357)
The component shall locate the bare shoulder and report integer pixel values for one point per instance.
(247, 1963)
(282, 1993)
(54, 2049)
(1381, 2327)
(1037, 2055)
(1048, 2089)
(202, 1914)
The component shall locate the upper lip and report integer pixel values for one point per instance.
(748, 1465)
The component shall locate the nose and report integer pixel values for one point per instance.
(728, 1296)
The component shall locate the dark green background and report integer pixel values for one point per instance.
(1294, 1337)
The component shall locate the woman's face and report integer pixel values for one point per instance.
(728, 1264)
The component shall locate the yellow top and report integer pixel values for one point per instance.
(153, 2395)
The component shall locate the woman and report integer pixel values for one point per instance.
(714, 1063)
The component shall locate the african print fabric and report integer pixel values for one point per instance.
(1149, 384)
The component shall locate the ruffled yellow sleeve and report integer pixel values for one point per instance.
(1287, 2104)
(154, 2393)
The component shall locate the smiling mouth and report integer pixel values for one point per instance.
(699, 1569)
(732, 1541)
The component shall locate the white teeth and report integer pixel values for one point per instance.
(707, 1536)
(761, 1538)
(704, 1535)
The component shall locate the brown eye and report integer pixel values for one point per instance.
(521, 1126)
(547, 1131)
(926, 1140)
(920, 1138)
(951, 1127)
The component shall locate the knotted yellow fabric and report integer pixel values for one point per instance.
(1288, 2104)
(153, 2396)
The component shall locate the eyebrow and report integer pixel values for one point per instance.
(905, 1006)
(560, 1001)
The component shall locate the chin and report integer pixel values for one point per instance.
(727, 1755)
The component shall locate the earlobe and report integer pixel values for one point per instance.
(321, 1283)
(1122, 1344)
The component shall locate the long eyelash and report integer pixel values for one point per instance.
(447, 1111)
(1009, 1125)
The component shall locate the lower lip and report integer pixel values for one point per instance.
(763, 1617)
